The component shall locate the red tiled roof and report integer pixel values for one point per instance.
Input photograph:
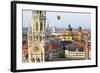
(25, 46)
(25, 51)
(87, 32)
(87, 47)
(79, 43)
(53, 46)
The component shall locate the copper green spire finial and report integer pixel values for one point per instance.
(69, 25)
(80, 28)
(69, 28)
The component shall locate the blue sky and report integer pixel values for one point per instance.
(74, 19)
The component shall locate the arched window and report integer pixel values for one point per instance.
(40, 12)
(44, 25)
(36, 38)
(36, 26)
(38, 60)
(33, 60)
(26, 56)
(41, 26)
(40, 38)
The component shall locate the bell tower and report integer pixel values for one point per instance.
(69, 30)
(79, 34)
(36, 47)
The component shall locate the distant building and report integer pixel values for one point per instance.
(65, 43)
(68, 35)
(24, 51)
(72, 36)
(24, 44)
(78, 50)
(53, 48)
(87, 48)
(73, 51)
(60, 30)
(24, 33)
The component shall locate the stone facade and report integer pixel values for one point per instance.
(36, 37)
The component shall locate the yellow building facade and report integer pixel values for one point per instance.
(70, 36)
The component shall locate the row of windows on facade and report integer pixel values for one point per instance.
(41, 17)
(36, 38)
(37, 12)
(40, 13)
(75, 54)
(37, 60)
(41, 26)
(33, 59)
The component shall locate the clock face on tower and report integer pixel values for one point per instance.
(35, 48)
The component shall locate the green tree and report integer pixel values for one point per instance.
(61, 54)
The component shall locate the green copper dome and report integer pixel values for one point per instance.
(80, 29)
(69, 28)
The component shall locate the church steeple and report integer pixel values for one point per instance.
(69, 28)
(37, 32)
(80, 34)
(80, 29)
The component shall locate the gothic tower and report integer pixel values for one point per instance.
(36, 47)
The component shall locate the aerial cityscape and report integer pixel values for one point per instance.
(55, 36)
